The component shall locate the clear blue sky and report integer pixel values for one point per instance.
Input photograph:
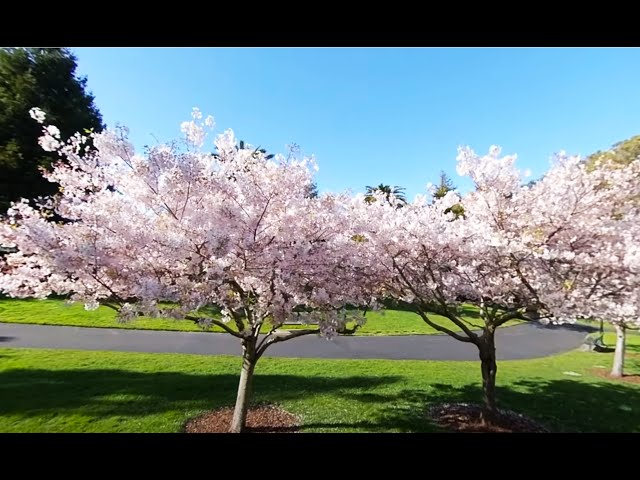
(373, 115)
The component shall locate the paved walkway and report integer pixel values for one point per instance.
(517, 342)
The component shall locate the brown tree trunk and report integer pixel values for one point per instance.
(489, 369)
(618, 356)
(249, 360)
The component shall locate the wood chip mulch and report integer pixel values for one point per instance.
(624, 378)
(464, 417)
(260, 419)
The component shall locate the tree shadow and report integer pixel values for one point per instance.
(574, 327)
(599, 349)
(109, 392)
(632, 348)
(469, 312)
(562, 405)
(402, 411)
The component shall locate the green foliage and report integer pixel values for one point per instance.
(387, 190)
(621, 153)
(446, 185)
(457, 210)
(44, 78)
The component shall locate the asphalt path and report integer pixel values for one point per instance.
(522, 341)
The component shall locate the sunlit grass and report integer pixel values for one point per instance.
(83, 391)
(57, 312)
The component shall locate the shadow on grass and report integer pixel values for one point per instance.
(633, 348)
(103, 392)
(469, 312)
(598, 349)
(562, 405)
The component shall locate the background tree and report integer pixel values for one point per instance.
(445, 186)
(312, 190)
(621, 153)
(46, 78)
(387, 191)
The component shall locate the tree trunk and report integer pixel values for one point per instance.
(618, 356)
(489, 368)
(244, 387)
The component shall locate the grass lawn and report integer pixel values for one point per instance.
(57, 312)
(80, 391)
(607, 326)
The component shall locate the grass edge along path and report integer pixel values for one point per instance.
(57, 312)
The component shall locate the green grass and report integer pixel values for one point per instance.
(81, 391)
(57, 312)
(607, 326)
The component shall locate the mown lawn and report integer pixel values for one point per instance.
(57, 312)
(80, 391)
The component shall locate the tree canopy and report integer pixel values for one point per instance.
(237, 230)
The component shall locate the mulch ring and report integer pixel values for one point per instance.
(465, 417)
(625, 378)
(260, 419)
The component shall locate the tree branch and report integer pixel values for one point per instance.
(505, 317)
(281, 336)
(236, 318)
(442, 329)
(218, 323)
(113, 307)
(349, 331)
(469, 322)
(255, 232)
(454, 318)
(522, 277)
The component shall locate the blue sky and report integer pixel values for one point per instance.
(372, 115)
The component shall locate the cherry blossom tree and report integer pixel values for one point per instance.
(235, 229)
(548, 250)
(591, 245)
(569, 239)
(435, 263)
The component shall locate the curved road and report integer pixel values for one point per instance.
(517, 342)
